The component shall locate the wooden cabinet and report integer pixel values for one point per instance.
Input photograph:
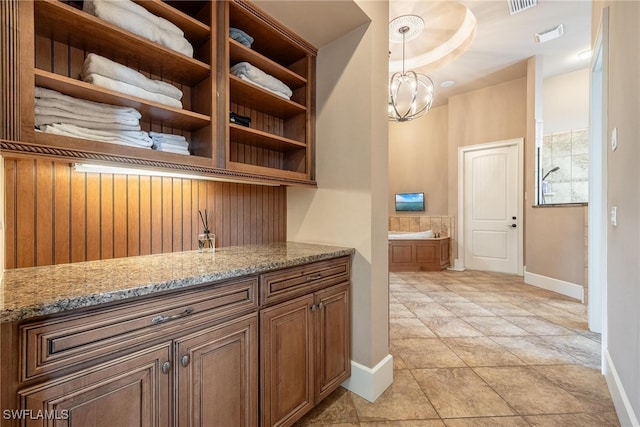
(305, 347)
(55, 36)
(184, 358)
(419, 254)
(217, 376)
(130, 391)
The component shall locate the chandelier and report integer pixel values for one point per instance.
(410, 93)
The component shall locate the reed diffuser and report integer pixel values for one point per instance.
(206, 240)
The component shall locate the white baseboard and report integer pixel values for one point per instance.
(370, 383)
(560, 286)
(626, 416)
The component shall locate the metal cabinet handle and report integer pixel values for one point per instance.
(184, 360)
(161, 319)
(313, 307)
(166, 367)
(314, 277)
(320, 306)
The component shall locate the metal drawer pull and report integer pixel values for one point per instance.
(314, 277)
(320, 306)
(166, 367)
(161, 319)
(184, 360)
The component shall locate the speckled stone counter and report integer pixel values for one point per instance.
(30, 292)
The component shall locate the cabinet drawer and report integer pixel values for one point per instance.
(84, 338)
(292, 282)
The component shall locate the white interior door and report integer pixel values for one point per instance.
(492, 220)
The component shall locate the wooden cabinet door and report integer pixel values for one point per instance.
(217, 375)
(287, 361)
(130, 391)
(333, 338)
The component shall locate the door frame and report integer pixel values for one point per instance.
(598, 217)
(463, 211)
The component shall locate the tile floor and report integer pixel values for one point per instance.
(481, 349)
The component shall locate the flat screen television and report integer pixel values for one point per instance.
(409, 202)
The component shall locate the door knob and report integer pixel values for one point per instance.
(512, 225)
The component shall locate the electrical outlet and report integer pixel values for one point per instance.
(613, 216)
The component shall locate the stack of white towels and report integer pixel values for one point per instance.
(61, 114)
(108, 74)
(170, 143)
(256, 76)
(138, 20)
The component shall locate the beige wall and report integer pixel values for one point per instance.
(418, 160)
(566, 102)
(494, 113)
(349, 207)
(622, 343)
(554, 236)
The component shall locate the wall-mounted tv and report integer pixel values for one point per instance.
(409, 202)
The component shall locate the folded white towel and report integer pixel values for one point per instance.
(256, 75)
(119, 13)
(123, 87)
(144, 13)
(138, 139)
(42, 119)
(45, 96)
(247, 79)
(96, 64)
(168, 137)
(173, 150)
(106, 118)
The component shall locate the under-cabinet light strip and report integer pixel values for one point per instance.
(99, 168)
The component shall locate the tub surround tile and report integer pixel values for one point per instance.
(36, 291)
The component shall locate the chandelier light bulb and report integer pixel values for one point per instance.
(410, 93)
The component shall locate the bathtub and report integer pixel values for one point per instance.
(417, 251)
(404, 235)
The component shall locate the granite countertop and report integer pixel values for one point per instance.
(36, 291)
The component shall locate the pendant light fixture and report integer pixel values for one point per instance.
(410, 93)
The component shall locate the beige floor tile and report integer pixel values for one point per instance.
(582, 348)
(487, 422)
(399, 310)
(426, 353)
(403, 400)
(501, 308)
(481, 296)
(337, 409)
(466, 309)
(413, 297)
(447, 297)
(450, 327)
(534, 350)
(459, 392)
(538, 326)
(495, 326)
(586, 384)
(482, 351)
(604, 419)
(409, 423)
(432, 309)
(529, 392)
(408, 328)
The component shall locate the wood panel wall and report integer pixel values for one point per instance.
(55, 215)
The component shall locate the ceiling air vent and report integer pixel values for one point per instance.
(516, 6)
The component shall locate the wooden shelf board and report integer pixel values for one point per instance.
(266, 171)
(244, 135)
(175, 117)
(69, 25)
(194, 30)
(254, 97)
(239, 53)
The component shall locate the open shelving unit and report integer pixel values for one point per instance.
(279, 141)
(55, 37)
